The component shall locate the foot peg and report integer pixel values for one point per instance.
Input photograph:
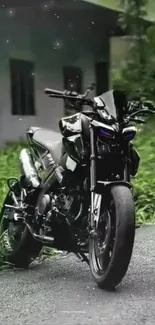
(43, 239)
(12, 207)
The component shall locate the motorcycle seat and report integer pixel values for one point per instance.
(32, 129)
(44, 138)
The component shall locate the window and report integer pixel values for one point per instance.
(102, 77)
(22, 87)
(72, 81)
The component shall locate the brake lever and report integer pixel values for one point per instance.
(134, 119)
(153, 112)
(138, 120)
(70, 93)
(56, 96)
(64, 96)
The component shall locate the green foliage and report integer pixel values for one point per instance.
(9, 166)
(136, 74)
(145, 182)
(131, 18)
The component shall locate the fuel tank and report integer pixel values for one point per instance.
(71, 125)
(75, 131)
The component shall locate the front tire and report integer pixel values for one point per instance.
(117, 226)
(18, 248)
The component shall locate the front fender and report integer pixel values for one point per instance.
(104, 185)
(111, 183)
(102, 191)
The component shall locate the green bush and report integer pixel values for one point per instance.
(9, 166)
(135, 75)
(145, 182)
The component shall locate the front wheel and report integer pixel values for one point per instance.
(110, 249)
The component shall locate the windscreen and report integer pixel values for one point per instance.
(114, 102)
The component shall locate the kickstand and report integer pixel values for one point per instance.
(82, 257)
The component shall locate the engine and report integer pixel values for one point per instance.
(70, 202)
(65, 204)
(45, 205)
(59, 206)
(70, 206)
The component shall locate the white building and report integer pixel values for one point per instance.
(50, 44)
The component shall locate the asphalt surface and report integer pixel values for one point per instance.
(62, 291)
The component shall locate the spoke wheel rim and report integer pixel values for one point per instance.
(103, 244)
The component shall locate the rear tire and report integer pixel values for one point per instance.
(121, 240)
(21, 253)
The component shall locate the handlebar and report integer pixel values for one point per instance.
(137, 120)
(145, 106)
(135, 108)
(61, 94)
(141, 109)
(49, 91)
(73, 96)
(66, 94)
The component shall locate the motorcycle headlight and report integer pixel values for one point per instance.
(129, 133)
(108, 133)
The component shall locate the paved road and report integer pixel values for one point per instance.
(63, 292)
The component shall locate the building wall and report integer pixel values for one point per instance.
(33, 33)
(119, 48)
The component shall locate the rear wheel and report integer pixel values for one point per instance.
(17, 245)
(111, 248)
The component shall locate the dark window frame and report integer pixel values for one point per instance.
(102, 76)
(22, 87)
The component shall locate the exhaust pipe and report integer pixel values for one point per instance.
(28, 168)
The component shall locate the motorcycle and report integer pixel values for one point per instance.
(75, 194)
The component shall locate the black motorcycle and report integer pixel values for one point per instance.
(75, 194)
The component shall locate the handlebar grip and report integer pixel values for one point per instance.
(49, 91)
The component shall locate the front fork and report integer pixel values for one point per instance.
(127, 170)
(95, 198)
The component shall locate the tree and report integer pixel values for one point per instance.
(137, 74)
